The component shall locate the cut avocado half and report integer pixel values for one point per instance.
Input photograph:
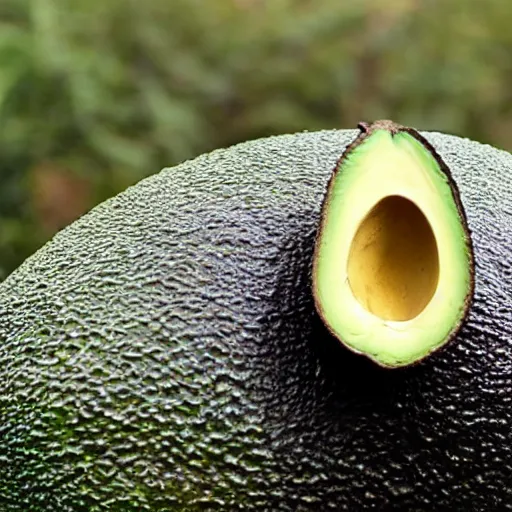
(393, 264)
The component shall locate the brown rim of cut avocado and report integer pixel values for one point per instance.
(366, 130)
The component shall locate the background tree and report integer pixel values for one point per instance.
(97, 94)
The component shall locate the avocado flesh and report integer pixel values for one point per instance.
(393, 264)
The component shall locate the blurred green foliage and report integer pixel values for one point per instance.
(96, 94)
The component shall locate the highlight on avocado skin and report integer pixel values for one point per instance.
(393, 263)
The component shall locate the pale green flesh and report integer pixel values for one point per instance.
(382, 166)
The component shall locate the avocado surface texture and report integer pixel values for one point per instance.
(163, 353)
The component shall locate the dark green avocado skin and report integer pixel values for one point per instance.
(163, 353)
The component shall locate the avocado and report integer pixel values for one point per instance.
(393, 264)
(163, 353)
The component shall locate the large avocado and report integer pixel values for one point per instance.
(163, 353)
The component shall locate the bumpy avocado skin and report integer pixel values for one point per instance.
(163, 353)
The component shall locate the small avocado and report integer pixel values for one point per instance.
(393, 265)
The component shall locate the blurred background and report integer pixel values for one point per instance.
(97, 94)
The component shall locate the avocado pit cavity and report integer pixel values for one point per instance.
(393, 264)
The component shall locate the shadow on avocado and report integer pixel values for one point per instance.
(319, 377)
